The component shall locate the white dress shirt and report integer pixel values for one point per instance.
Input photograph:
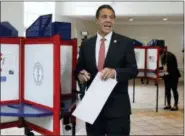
(107, 44)
(98, 42)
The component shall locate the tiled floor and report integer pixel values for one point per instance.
(144, 119)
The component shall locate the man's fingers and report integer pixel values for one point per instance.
(104, 75)
(107, 75)
(82, 77)
(87, 74)
(84, 72)
(88, 77)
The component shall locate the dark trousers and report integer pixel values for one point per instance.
(171, 83)
(119, 126)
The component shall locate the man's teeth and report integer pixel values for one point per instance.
(107, 26)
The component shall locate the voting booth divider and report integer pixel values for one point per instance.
(147, 58)
(36, 75)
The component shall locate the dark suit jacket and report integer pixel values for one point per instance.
(172, 66)
(120, 56)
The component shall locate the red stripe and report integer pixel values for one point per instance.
(75, 48)
(39, 129)
(9, 124)
(12, 41)
(56, 85)
(21, 71)
(140, 47)
(66, 42)
(36, 40)
(157, 78)
(9, 102)
(39, 105)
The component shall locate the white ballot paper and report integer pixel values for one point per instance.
(95, 98)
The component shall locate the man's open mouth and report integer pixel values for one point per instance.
(107, 26)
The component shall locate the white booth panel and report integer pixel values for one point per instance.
(66, 68)
(39, 73)
(10, 72)
(140, 58)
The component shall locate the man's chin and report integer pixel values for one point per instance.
(107, 31)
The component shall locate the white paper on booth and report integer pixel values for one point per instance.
(95, 98)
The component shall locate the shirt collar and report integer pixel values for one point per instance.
(107, 37)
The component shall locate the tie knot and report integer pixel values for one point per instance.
(103, 39)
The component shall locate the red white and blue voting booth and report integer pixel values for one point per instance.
(148, 63)
(36, 76)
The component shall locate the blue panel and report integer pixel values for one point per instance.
(156, 42)
(137, 43)
(3, 78)
(24, 110)
(37, 29)
(43, 27)
(7, 30)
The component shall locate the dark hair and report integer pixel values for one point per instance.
(103, 7)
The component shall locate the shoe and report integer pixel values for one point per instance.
(167, 107)
(175, 108)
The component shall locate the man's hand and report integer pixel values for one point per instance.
(107, 73)
(83, 76)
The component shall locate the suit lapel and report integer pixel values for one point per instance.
(93, 49)
(111, 49)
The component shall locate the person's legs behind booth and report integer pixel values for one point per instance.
(167, 91)
(171, 84)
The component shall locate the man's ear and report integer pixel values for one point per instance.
(96, 20)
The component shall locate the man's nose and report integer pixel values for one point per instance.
(108, 19)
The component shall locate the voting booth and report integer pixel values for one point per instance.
(147, 58)
(68, 56)
(140, 53)
(36, 75)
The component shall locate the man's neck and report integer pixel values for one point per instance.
(103, 34)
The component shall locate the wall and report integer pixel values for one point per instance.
(172, 34)
(123, 8)
(13, 13)
(40, 8)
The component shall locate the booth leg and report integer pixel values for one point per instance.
(157, 96)
(28, 132)
(133, 90)
(147, 81)
(73, 128)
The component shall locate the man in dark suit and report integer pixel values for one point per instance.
(171, 77)
(112, 55)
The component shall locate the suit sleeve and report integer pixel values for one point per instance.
(81, 61)
(130, 69)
